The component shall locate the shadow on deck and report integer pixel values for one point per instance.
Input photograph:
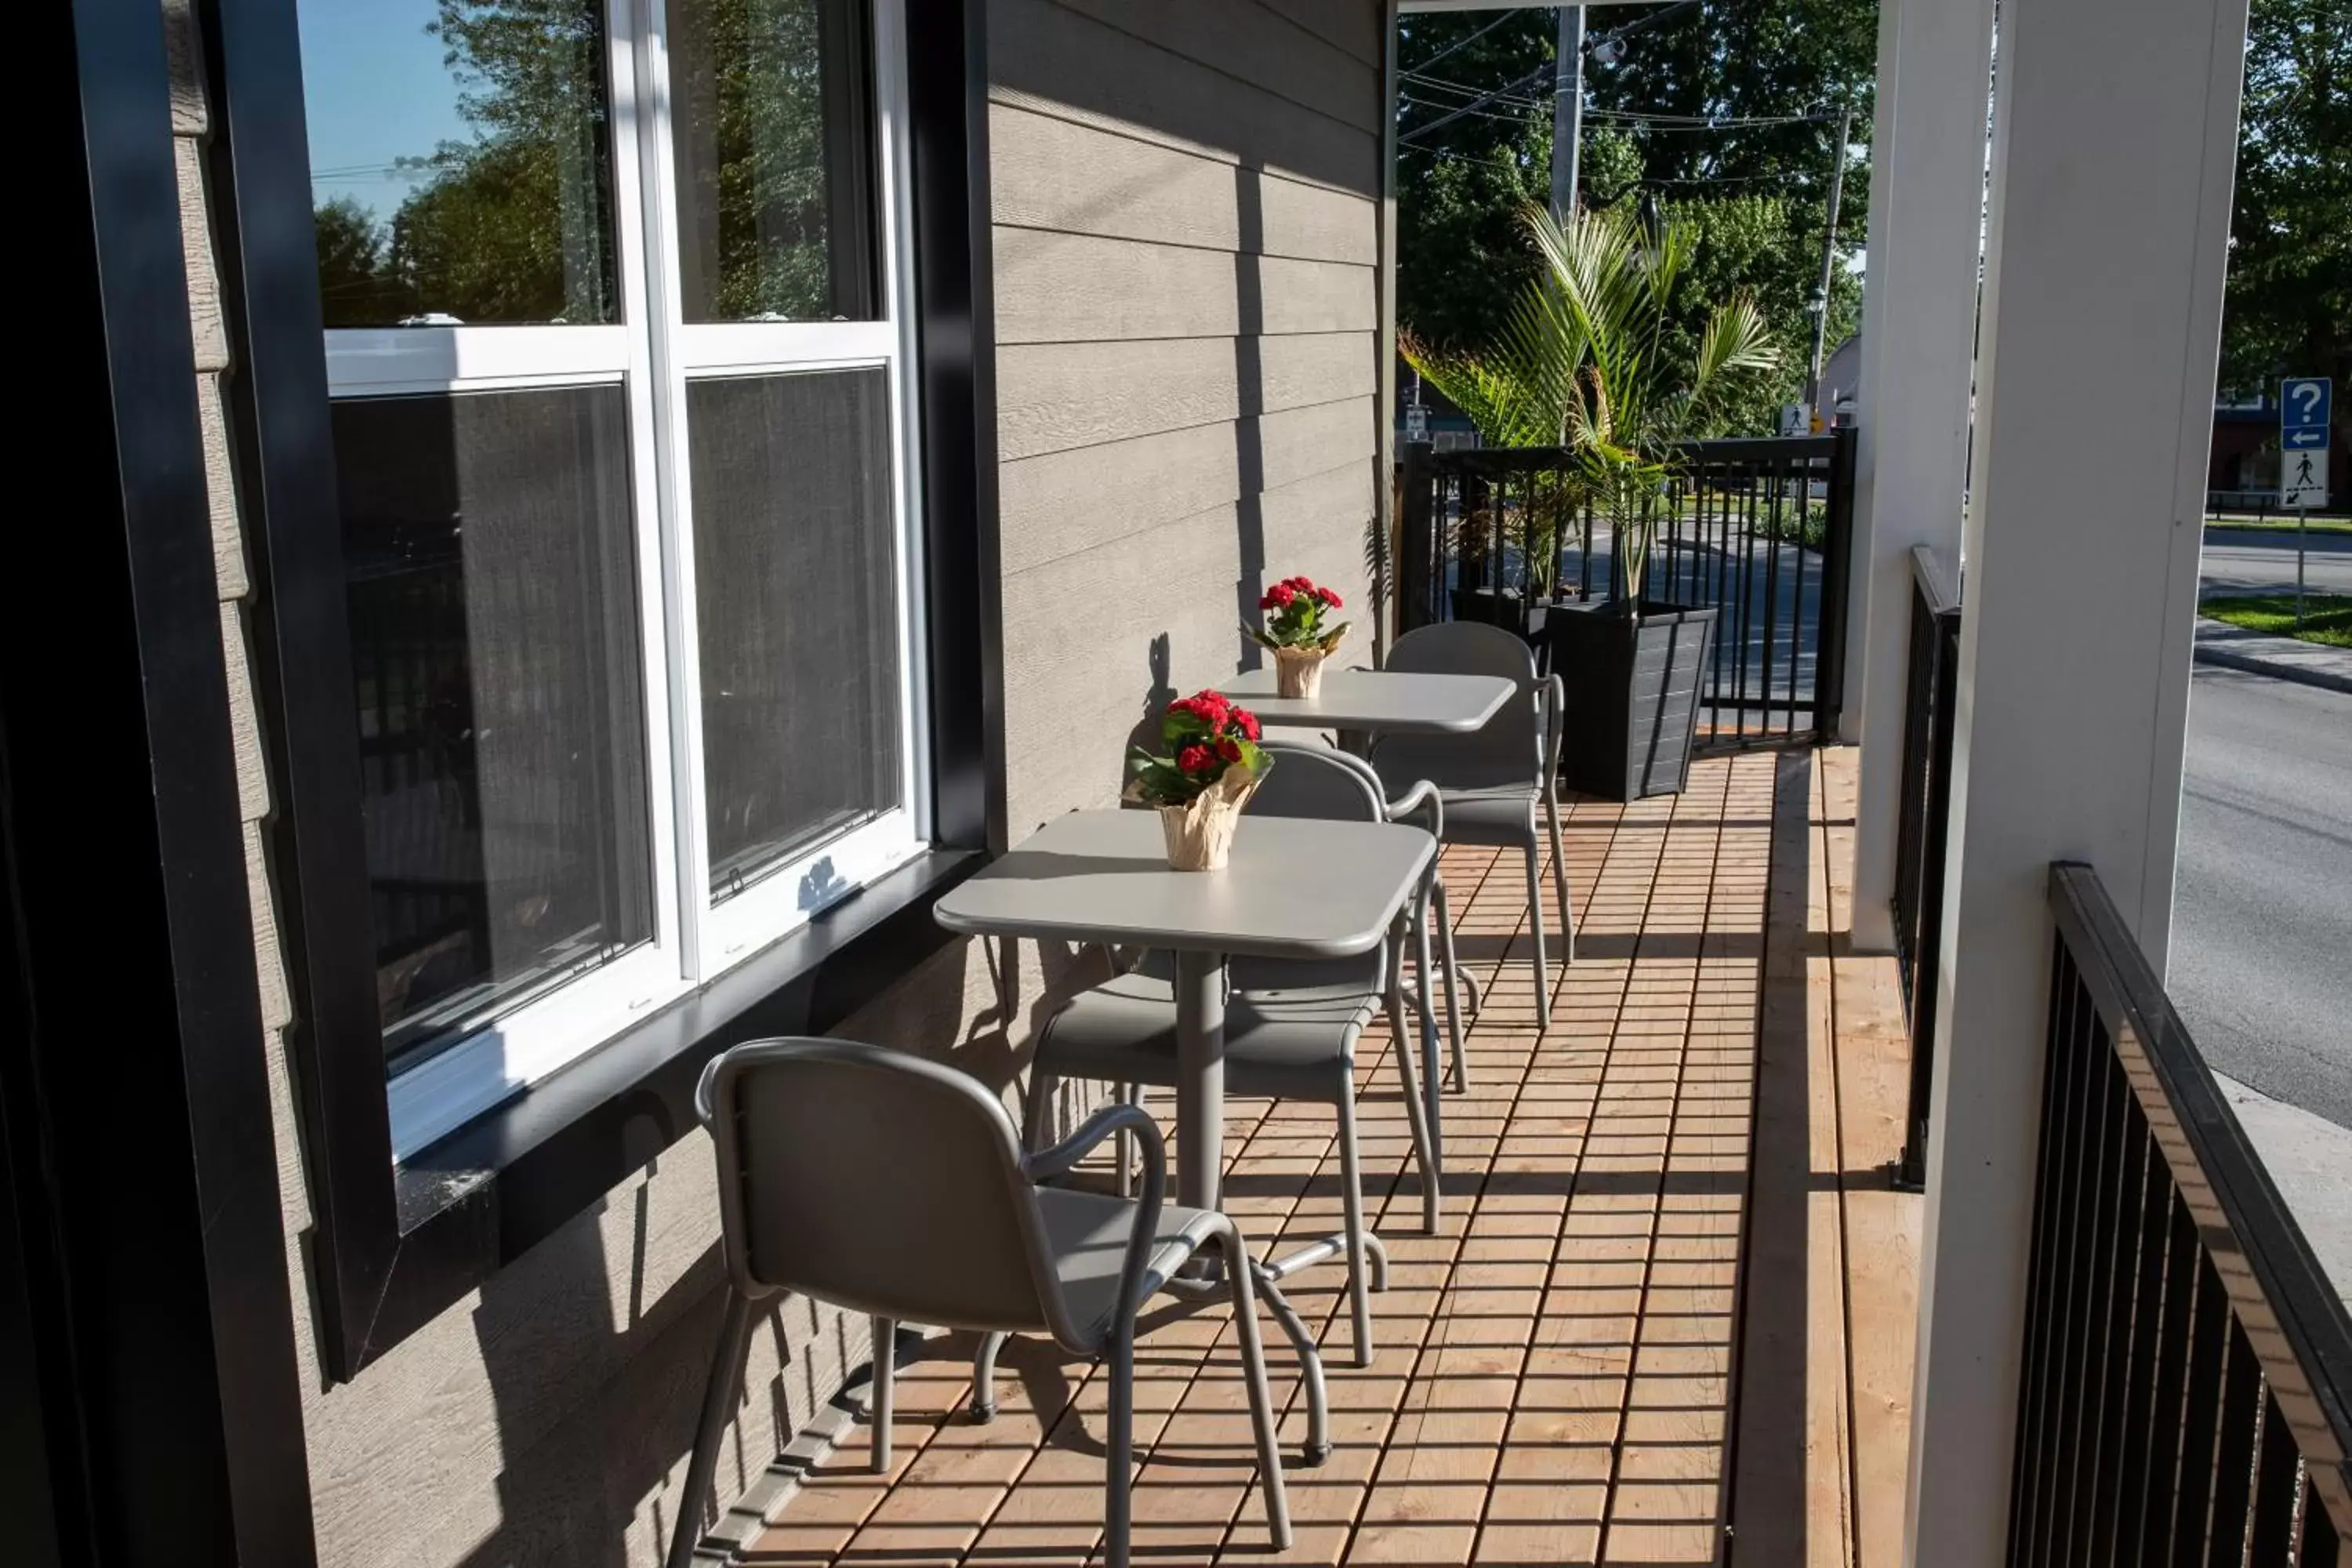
(1626, 1346)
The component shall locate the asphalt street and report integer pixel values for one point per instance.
(2262, 933)
(2239, 561)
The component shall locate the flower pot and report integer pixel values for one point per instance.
(1632, 690)
(1200, 833)
(1298, 672)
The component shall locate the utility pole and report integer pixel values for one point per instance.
(1829, 262)
(1567, 111)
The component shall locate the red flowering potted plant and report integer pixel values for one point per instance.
(1299, 633)
(1212, 767)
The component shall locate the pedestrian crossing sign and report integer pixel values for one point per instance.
(2303, 480)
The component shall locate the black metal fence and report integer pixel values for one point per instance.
(1928, 710)
(1759, 528)
(2186, 1364)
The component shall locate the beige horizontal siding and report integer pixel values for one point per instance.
(1187, 377)
(1083, 683)
(1355, 28)
(1257, 45)
(1065, 503)
(1076, 287)
(1044, 56)
(1138, 189)
(1052, 397)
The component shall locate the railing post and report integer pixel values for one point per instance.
(1919, 876)
(1837, 565)
(1412, 590)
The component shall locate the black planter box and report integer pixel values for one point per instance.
(1506, 610)
(1632, 698)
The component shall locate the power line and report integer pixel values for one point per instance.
(1459, 43)
(1780, 176)
(1527, 80)
(1658, 121)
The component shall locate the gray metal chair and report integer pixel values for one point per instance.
(1493, 780)
(894, 1186)
(1290, 1028)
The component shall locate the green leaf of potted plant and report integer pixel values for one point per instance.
(1211, 767)
(1299, 634)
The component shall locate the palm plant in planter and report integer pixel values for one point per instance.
(1588, 362)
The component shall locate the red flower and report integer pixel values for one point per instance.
(1230, 749)
(1246, 722)
(1196, 759)
(1278, 598)
(1328, 596)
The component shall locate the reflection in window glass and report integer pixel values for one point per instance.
(491, 581)
(460, 161)
(771, 133)
(794, 582)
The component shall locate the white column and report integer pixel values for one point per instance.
(2115, 135)
(1918, 342)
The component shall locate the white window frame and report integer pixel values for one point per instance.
(653, 354)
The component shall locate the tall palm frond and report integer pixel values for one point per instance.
(1583, 362)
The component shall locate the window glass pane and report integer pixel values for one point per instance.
(772, 134)
(495, 653)
(794, 582)
(461, 166)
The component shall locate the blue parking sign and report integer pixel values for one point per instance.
(2303, 414)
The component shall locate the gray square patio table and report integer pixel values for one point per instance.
(1295, 887)
(1377, 701)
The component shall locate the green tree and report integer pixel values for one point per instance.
(1719, 112)
(751, 122)
(2289, 307)
(1462, 258)
(356, 288)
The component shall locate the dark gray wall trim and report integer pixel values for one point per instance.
(132, 1079)
(947, 83)
(258, 173)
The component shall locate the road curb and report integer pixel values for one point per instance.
(2281, 658)
(2278, 669)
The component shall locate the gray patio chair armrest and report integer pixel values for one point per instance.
(1555, 715)
(703, 1106)
(1059, 1159)
(1423, 797)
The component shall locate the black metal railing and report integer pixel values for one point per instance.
(1929, 698)
(2187, 1364)
(1759, 528)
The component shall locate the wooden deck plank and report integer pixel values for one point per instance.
(1557, 1378)
(1873, 1052)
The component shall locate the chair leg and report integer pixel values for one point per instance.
(1036, 1106)
(717, 1402)
(983, 1378)
(1118, 1443)
(1421, 1113)
(1123, 1142)
(1535, 928)
(886, 1390)
(1452, 998)
(1351, 1201)
(1269, 1449)
(1559, 880)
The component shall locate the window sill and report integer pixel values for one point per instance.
(479, 1198)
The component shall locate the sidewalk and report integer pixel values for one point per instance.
(2309, 663)
(2306, 1156)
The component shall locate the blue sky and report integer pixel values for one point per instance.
(375, 88)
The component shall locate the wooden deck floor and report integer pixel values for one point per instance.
(1668, 1320)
